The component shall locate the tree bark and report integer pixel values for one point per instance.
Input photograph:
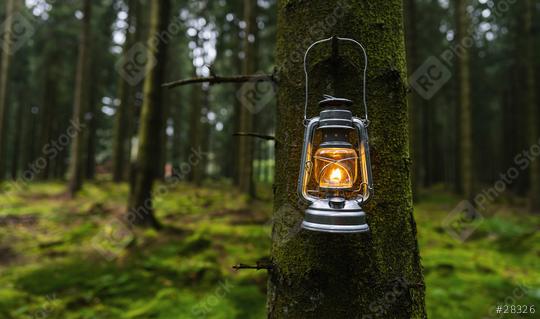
(91, 140)
(195, 135)
(76, 161)
(121, 134)
(369, 275)
(465, 114)
(17, 139)
(245, 145)
(11, 7)
(415, 104)
(532, 106)
(140, 207)
(49, 104)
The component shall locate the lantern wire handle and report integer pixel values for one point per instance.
(365, 119)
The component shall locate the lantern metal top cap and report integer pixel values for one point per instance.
(330, 101)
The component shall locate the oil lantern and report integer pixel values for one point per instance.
(335, 171)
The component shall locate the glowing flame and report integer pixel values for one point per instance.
(335, 176)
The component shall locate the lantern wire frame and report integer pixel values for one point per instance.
(365, 119)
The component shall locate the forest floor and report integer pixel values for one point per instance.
(73, 258)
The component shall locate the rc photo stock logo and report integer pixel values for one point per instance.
(21, 31)
(135, 64)
(462, 221)
(112, 239)
(257, 93)
(430, 77)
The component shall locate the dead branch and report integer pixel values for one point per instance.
(215, 79)
(258, 267)
(257, 135)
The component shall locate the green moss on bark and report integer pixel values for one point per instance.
(320, 275)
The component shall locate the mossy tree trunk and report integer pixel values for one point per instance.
(532, 105)
(369, 275)
(415, 104)
(140, 206)
(80, 106)
(464, 106)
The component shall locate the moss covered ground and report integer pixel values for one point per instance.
(73, 258)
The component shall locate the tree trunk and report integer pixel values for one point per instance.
(28, 133)
(245, 144)
(140, 207)
(322, 275)
(415, 104)
(121, 134)
(195, 138)
(17, 139)
(177, 112)
(134, 110)
(81, 103)
(161, 161)
(91, 122)
(465, 134)
(206, 129)
(11, 7)
(49, 104)
(532, 106)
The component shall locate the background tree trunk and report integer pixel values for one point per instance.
(320, 275)
(195, 134)
(415, 120)
(11, 7)
(245, 144)
(464, 100)
(81, 103)
(151, 123)
(177, 142)
(532, 106)
(121, 134)
(17, 138)
(47, 111)
(91, 140)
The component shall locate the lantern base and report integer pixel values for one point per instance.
(320, 216)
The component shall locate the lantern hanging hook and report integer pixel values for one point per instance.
(365, 119)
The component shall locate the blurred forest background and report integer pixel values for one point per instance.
(86, 128)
